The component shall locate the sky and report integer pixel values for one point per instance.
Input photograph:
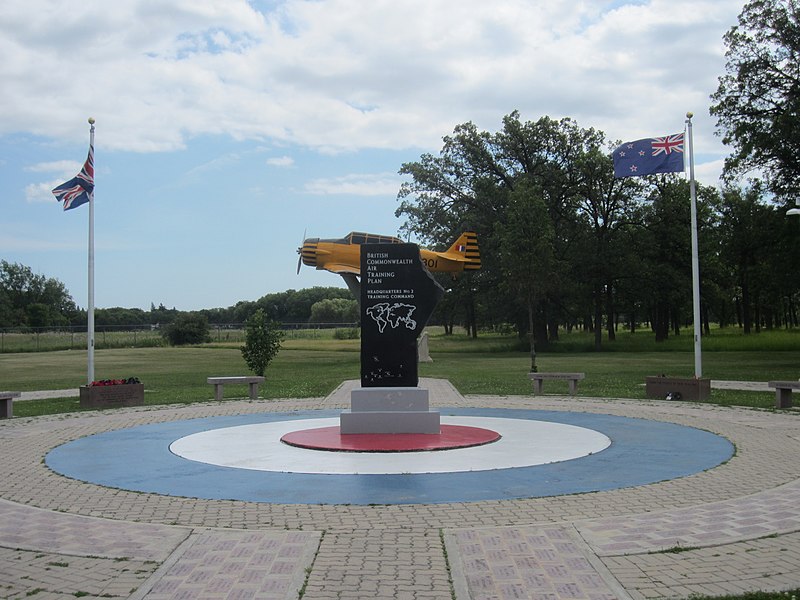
(228, 129)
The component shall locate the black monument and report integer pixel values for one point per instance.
(398, 296)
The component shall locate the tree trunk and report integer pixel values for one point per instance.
(598, 319)
(746, 312)
(612, 335)
(662, 322)
(552, 330)
(757, 312)
(472, 326)
(531, 335)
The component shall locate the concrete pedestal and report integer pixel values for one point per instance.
(389, 410)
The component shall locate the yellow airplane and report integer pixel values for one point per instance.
(343, 256)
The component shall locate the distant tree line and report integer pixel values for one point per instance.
(28, 299)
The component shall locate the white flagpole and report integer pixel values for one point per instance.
(698, 353)
(90, 310)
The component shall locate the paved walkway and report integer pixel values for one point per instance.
(750, 386)
(731, 529)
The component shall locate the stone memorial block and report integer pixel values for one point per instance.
(398, 296)
(111, 396)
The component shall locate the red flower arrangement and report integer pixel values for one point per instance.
(102, 382)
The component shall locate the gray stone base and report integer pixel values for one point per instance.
(389, 410)
(689, 388)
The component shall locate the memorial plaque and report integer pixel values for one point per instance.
(398, 296)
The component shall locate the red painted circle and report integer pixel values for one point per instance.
(330, 438)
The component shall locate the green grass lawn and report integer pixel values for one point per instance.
(313, 366)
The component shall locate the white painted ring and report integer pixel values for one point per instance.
(524, 443)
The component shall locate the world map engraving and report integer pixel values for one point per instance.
(385, 314)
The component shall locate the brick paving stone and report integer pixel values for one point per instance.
(697, 526)
(22, 572)
(528, 562)
(770, 564)
(235, 563)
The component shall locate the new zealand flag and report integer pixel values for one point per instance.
(80, 189)
(648, 156)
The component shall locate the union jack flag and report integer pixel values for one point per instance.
(649, 155)
(80, 189)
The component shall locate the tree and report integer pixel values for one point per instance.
(334, 310)
(758, 99)
(757, 251)
(262, 342)
(471, 184)
(187, 328)
(527, 238)
(606, 205)
(666, 279)
(162, 315)
(20, 288)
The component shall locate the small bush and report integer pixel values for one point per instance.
(351, 333)
(262, 342)
(188, 328)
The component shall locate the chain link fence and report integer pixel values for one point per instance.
(47, 339)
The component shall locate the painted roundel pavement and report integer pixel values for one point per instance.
(538, 453)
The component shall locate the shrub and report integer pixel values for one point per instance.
(187, 328)
(262, 342)
(348, 333)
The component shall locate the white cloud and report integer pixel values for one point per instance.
(379, 184)
(64, 167)
(708, 173)
(41, 192)
(280, 161)
(343, 75)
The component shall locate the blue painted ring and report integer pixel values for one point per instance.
(641, 452)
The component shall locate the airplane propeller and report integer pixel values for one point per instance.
(300, 252)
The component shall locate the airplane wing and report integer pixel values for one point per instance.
(340, 268)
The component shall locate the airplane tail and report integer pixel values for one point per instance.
(467, 246)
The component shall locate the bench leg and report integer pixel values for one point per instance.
(783, 398)
(573, 386)
(218, 392)
(537, 387)
(6, 408)
(253, 391)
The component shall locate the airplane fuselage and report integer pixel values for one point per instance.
(343, 256)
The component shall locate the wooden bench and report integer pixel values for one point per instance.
(783, 392)
(7, 404)
(252, 380)
(573, 378)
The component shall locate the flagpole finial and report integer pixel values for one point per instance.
(91, 120)
(689, 115)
